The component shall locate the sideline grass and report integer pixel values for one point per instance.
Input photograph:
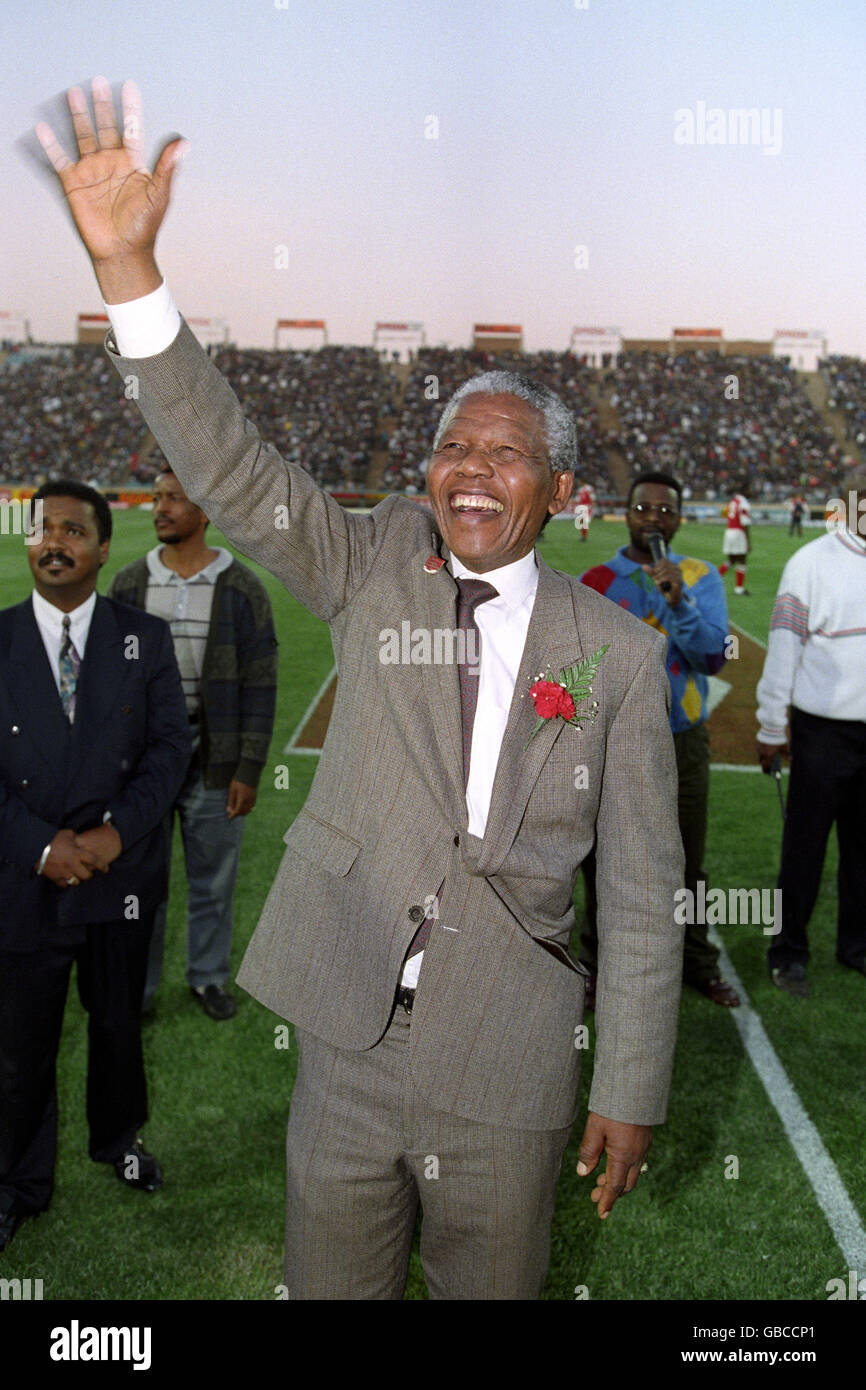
(220, 1092)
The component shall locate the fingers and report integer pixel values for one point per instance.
(591, 1146)
(106, 121)
(618, 1179)
(89, 856)
(81, 122)
(166, 165)
(53, 149)
(133, 125)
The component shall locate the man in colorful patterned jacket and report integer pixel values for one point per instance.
(684, 599)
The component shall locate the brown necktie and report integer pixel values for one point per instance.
(472, 593)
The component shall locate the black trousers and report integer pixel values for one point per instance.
(700, 957)
(827, 785)
(112, 963)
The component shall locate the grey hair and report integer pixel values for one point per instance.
(560, 431)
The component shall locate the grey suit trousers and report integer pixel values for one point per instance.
(363, 1147)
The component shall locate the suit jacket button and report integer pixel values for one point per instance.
(24, 784)
(15, 729)
(416, 914)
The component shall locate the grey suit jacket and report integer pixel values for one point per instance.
(496, 1023)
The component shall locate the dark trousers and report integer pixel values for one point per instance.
(700, 959)
(827, 785)
(112, 962)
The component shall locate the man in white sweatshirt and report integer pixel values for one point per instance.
(816, 666)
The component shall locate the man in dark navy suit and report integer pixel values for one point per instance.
(94, 740)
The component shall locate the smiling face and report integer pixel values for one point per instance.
(66, 562)
(490, 481)
(653, 507)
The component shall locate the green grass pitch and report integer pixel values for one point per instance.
(220, 1092)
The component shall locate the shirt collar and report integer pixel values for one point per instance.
(163, 575)
(515, 582)
(50, 616)
(853, 536)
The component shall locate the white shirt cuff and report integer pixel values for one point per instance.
(146, 326)
(771, 737)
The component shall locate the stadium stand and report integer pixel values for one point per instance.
(674, 414)
(359, 422)
(846, 386)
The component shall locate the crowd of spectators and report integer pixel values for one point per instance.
(712, 420)
(321, 409)
(63, 413)
(846, 387)
(709, 419)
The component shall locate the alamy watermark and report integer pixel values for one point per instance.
(740, 125)
(422, 646)
(852, 518)
(745, 907)
(21, 518)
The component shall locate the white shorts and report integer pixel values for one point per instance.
(735, 542)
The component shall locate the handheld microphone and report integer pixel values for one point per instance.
(656, 542)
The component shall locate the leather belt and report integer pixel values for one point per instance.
(406, 997)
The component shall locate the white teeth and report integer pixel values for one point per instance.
(473, 502)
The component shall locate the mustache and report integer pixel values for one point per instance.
(63, 559)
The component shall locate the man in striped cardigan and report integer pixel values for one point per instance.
(223, 633)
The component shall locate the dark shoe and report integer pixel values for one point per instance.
(742, 593)
(10, 1220)
(138, 1168)
(791, 978)
(718, 990)
(590, 984)
(859, 966)
(216, 1001)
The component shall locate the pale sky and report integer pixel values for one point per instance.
(308, 121)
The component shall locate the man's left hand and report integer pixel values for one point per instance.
(626, 1147)
(103, 840)
(666, 572)
(241, 800)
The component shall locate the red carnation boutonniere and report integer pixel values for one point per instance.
(558, 699)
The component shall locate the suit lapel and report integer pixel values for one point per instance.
(552, 641)
(32, 688)
(99, 682)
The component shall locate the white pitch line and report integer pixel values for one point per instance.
(821, 1171)
(739, 767)
(757, 641)
(290, 746)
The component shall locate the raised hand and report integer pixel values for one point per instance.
(116, 203)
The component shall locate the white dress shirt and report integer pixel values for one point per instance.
(503, 623)
(50, 623)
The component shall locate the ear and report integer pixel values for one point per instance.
(562, 490)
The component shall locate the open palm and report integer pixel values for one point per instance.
(117, 204)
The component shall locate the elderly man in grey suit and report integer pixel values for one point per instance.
(417, 931)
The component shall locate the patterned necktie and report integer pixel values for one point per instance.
(70, 665)
(473, 592)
